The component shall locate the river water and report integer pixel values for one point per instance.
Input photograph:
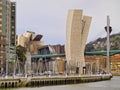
(113, 84)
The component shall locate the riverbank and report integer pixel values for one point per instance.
(51, 80)
(116, 74)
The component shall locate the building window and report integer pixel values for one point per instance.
(13, 27)
(13, 10)
(13, 32)
(13, 4)
(13, 37)
(1, 56)
(2, 52)
(1, 46)
(1, 38)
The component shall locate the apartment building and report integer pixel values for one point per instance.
(7, 31)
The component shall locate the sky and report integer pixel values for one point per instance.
(48, 17)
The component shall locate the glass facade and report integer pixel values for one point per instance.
(13, 23)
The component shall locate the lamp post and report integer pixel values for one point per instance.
(7, 61)
(108, 29)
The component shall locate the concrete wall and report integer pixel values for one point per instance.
(77, 29)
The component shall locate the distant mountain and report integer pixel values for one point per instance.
(100, 43)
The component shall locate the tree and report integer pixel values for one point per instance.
(21, 55)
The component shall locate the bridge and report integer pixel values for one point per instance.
(103, 53)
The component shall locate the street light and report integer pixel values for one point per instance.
(108, 29)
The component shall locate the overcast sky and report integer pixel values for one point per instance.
(48, 17)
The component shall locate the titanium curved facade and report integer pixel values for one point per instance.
(76, 35)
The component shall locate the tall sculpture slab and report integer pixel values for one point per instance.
(77, 29)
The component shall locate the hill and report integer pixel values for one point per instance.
(100, 43)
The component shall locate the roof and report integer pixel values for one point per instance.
(38, 37)
(47, 55)
(104, 53)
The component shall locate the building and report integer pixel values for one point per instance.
(97, 64)
(59, 49)
(7, 26)
(31, 41)
(47, 60)
(77, 29)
